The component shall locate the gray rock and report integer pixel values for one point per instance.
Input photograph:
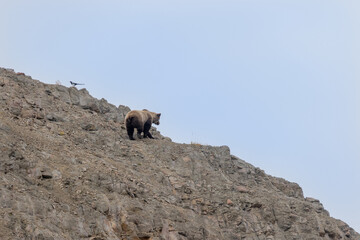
(56, 174)
(54, 117)
(62, 93)
(88, 102)
(4, 127)
(90, 127)
(74, 95)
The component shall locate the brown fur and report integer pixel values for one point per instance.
(141, 120)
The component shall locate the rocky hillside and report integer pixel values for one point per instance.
(68, 171)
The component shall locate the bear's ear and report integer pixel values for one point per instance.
(145, 110)
(159, 114)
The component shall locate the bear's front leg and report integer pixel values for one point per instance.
(147, 129)
(149, 135)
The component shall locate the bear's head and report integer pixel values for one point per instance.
(156, 118)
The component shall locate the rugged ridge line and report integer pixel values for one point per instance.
(68, 171)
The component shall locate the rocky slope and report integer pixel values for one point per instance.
(68, 171)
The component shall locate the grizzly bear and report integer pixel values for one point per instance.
(141, 120)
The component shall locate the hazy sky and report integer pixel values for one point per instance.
(278, 81)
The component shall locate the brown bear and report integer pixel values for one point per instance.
(141, 120)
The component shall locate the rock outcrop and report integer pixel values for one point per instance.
(68, 171)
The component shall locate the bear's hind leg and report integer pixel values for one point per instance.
(130, 131)
(139, 131)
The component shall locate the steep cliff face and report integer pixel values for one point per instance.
(68, 171)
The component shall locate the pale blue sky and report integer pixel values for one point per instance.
(278, 81)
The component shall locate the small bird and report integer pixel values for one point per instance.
(74, 83)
